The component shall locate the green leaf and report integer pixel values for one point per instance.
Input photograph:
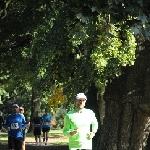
(143, 19)
(135, 30)
(118, 1)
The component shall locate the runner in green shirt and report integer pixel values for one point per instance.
(77, 124)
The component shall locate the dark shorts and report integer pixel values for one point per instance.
(37, 131)
(1, 127)
(46, 129)
(15, 143)
(79, 149)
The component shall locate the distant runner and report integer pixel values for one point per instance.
(37, 123)
(46, 125)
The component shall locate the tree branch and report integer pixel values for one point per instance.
(4, 9)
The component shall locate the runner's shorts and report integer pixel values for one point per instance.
(37, 131)
(15, 143)
(46, 129)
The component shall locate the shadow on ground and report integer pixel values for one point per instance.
(33, 147)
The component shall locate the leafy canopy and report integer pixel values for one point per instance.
(71, 42)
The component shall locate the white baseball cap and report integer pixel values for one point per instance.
(15, 105)
(81, 95)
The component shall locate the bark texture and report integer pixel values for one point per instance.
(127, 106)
(35, 104)
(101, 105)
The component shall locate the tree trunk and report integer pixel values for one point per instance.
(92, 104)
(109, 133)
(35, 104)
(127, 105)
(146, 137)
(101, 105)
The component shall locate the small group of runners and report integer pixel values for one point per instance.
(80, 126)
(41, 123)
(16, 125)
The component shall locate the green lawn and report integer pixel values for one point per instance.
(56, 137)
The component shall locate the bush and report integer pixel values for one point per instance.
(59, 117)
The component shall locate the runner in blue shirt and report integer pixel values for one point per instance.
(46, 125)
(15, 124)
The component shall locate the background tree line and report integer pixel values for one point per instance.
(97, 47)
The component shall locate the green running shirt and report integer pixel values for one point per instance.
(81, 121)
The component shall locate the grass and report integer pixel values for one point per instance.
(56, 137)
(3, 137)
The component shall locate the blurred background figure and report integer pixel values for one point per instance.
(37, 123)
(21, 111)
(46, 125)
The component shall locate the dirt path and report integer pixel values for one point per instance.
(53, 140)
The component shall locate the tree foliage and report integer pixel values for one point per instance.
(57, 99)
(71, 42)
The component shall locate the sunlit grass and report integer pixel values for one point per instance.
(56, 137)
(3, 137)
